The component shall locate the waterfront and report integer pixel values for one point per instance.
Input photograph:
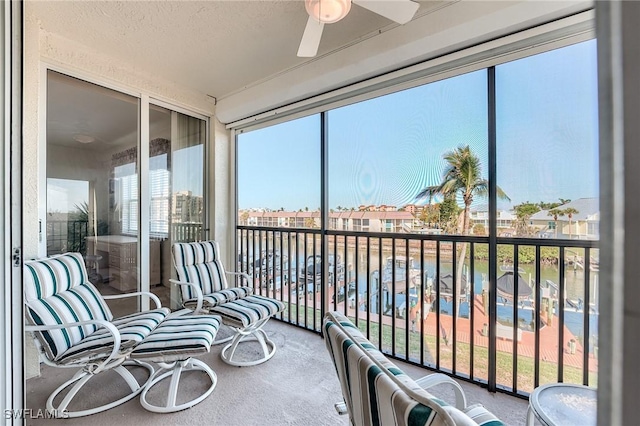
(361, 266)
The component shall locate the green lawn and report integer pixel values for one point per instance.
(504, 360)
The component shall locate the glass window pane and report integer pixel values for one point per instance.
(547, 143)
(92, 139)
(176, 182)
(279, 175)
(384, 152)
(547, 161)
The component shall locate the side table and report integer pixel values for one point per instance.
(563, 404)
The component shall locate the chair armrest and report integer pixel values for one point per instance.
(197, 290)
(137, 293)
(242, 275)
(438, 378)
(100, 323)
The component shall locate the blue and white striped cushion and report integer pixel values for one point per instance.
(372, 397)
(46, 277)
(482, 416)
(199, 263)
(247, 311)
(219, 297)
(179, 338)
(80, 303)
(133, 329)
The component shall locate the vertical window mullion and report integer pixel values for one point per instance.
(324, 212)
(493, 247)
(144, 201)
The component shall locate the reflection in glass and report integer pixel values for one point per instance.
(176, 182)
(92, 138)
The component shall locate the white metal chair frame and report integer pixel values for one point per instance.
(174, 370)
(251, 333)
(117, 361)
(254, 332)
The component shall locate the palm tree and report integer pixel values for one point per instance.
(462, 176)
(555, 213)
(570, 211)
(524, 211)
(244, 217)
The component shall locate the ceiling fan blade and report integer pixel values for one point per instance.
(310, 39)
(400, 11)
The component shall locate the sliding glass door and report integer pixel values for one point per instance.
(92, 181)
(94, 172)
(176, 191)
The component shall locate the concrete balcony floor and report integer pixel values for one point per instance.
(298, 386)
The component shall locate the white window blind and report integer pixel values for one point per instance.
(127, 183)
(159, 190)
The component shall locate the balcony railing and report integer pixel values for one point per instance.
(520, 315)
(64, 236)
(183, 232)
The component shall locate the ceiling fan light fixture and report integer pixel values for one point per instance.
(327, 11)
(84, 138)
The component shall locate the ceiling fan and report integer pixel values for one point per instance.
(329, 11)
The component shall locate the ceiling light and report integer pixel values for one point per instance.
(327, 11)
(84, 138)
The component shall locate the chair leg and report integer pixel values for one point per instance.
(252, 333)
(82, 377)
(174, 370)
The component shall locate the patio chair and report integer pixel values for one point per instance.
(376, 391)
(204, 287)
(74, 328)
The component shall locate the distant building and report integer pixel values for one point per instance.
(186, 207)
(414, 209)
(480, 216)
(583, 225)
(365, 221)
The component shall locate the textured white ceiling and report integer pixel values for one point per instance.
(214, 47)
(243, 53)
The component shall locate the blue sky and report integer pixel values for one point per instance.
(385, 150)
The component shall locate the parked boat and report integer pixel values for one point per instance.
(396, 268)
(312, 269)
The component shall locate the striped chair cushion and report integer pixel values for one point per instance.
(219, 297)
(80, 303)
(482, 416)
(199, 263)
(133, 329)
(371, 395)
(179, 338)
(242, 313)
(46, 277)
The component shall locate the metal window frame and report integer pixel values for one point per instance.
(558, 34)
(542, 38)
(12, 350)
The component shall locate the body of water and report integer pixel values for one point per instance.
(573, 282)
